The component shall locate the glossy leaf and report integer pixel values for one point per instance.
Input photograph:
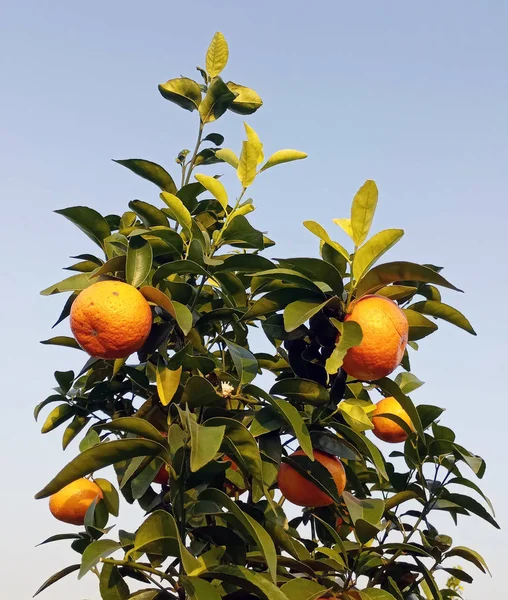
(419, 326)
(247, 164)
(372, 250)
(97, 457)
(283, 156)
(139, 261)
(345, 225)
(443, 311)
(205, 443)
(316, 270)
(150, 171)
(278, 299)
(369, 509)
(228, 156)
(321, 233)
(136, 426)
(303, 589)
(289, 275)
(167, 382)
(299, 312)
(74, 283)
(56, 577)
(110, 495)
(183, 91)
(179, 210)
(215, 187)
(245, 362)
(362, 211)
(73, 429)
(397, 292)
(60, 414)
(217, 55)
(250, 526)
(247, 101)
(62, 340)
(149, 214)
(91, 223)
(199, 589)
(387, 273)
(350, 335)
(470, 555)
(94, 552)
(301, 390)
(217, 100)
(111, 584)
(408, 382)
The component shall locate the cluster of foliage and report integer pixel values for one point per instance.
(188, 400)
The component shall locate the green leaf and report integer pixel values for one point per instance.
(355, 416)
(419, 326)
(247, 165)
(150, 171)
(375, 594)
(179, 312)
(110, 495)
(362, 211)
(299, 312)
(250, 526)
(217, 55)
(149, 214)
(247, 101)
(321, 233)
(245, 362)
(199, 391)
(443, 311)
(370, 509)
(228, 156)
(91, 439)
(215, 138)
(64, 379)
(217, 100)
(291, 276)
(240, 233)
(301, 390)
(178, 208)
(303, 589)
(111, 584)
(392, 389)
(91, 223)
(473, 506)
(167, 382)
(205, 443)
(350, 335)
(199, 589)
(60, 536)
(248, 580)
(470, 555)
(183, 91)
(290, 414)
(73, 429)
(215, 187)
(397, 292)
(282, 156)
(73, 283)
(48, 400)
(117, 263)
(472, 486)
(60, 414)
(94, 552)
(139, 261)
(136, 426)
(97, 457)
(56, 577)
(316, 270)
(370, 252)
(179, 267)
(278, 299)
(387, 273)
(429, 580)
(408, 382)
(368, 448)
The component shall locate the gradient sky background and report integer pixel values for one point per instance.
(411, 94)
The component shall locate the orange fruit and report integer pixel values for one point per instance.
(301, 491)
(231, 489)
(71, 502)
(111, 319)
(385, 331)
(386, 429)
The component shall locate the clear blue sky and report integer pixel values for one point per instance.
(411, 94)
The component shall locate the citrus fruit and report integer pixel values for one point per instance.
(162, 476)
(386, 429)
(385, 331)
(71, 502)
(302, 492)
(110, 319)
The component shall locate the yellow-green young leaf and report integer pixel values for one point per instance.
(228, 156)
(253, 138)
(179, 209)
(245, 209)
(216, 102)
(345, 225)
(283, 156)
(247, 101)
(362, 211)
(167, 382)
(182, 91)
(60, 414)
(350, 335)
(247, 166)
(217, 55)
(321, 233)
(370, 252)
(354, 414)
(215, 187)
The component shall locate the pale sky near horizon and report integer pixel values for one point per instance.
(413, 95)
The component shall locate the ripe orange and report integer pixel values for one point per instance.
(385, 331)
(303, 492)
(71, 502)
(231, 489)
(110, 319)
(386, 429)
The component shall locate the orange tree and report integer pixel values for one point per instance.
(220, 466)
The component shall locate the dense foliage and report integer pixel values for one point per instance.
(188, 399)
